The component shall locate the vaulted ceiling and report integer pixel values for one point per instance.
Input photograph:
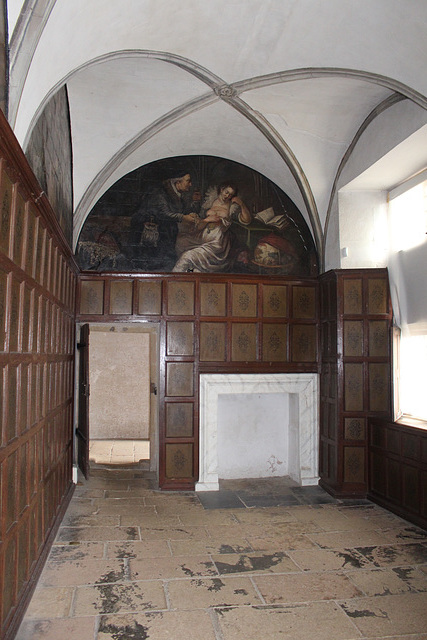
(282, 86)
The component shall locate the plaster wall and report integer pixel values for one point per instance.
(385, 134)
(119, 374)
(363, 229)
(251, 37)
(332, 252)
(253, 435)
(13, 9)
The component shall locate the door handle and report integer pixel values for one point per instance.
(153, 388)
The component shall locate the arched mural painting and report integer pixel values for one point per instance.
(196, 214)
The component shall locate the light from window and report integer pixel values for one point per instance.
(408, 227)
(413, 372)
(408, 219)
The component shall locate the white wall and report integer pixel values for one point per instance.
(253, 435)
(363, 229)
(390, 150)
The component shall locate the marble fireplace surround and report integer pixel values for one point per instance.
(302, 423)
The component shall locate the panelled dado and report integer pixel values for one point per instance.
(356, 375)
(37, 301)
(209, 324)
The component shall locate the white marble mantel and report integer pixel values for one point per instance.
(302, 422)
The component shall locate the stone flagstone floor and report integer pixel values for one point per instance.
(259, 560)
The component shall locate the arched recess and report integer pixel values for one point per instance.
(386, 104)
(217, 90)
(416, 157)
(231, 94)
(134, 226)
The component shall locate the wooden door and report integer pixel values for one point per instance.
(82, 430)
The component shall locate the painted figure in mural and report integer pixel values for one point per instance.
(206, 243)
(155, 224)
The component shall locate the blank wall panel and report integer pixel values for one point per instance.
(121, 297)
(91, 297)
(149, 298)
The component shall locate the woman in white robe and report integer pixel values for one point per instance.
(206, 245)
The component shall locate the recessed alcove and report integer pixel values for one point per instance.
(280, 418)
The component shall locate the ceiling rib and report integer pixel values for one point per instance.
(229, 94)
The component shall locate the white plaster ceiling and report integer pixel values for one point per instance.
(144, 79)
(385, 174)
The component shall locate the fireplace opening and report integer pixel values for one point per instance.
(258, 425)
(253, 434)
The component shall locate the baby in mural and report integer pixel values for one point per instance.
(206, 246)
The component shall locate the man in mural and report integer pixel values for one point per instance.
(154, 226)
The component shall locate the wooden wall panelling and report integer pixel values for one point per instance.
(244, 342)
(91, 297)
(36, 270)
(356, 314)
(19, 229)
(149, 297)
(180, 338)
(180, 298)
(275, 342)
(398, 468)
(179, 420)
(208, 323)
(274, 301)
(3, 308)
(121, 297)
(6, 196)
(303, 329)
(213, 299)
(244, 300)
(180, 346)
(213, 341)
